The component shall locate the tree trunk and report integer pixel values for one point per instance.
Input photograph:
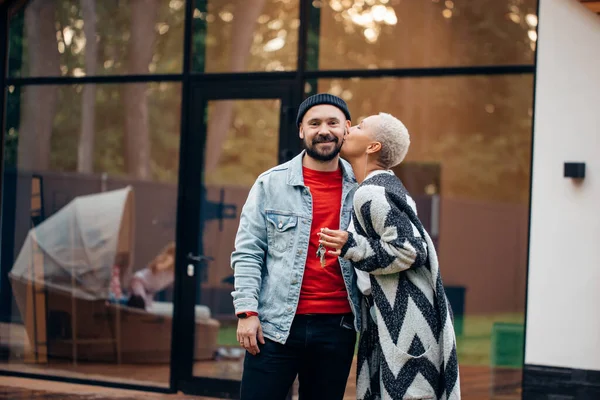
(85, 151)
(244, 21)
(141, 46)
(39, 102)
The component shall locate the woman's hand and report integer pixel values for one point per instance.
(333, 239)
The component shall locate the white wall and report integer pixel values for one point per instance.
(563, 305)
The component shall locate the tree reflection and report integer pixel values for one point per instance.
(91, 37)
(85, 151)
(429, 33)
(135, 137)
(370, 16)
(39, 102)
(477, 128)
(245, 15)
(140, 56)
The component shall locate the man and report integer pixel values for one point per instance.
(297, 305)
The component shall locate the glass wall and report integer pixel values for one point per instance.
(468, 168)
(77, 182)
(371, 34)
(235, 155)
(83, 250)
(245, 36)
(91, 170)
(90, 37)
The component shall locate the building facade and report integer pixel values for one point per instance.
(134, 129)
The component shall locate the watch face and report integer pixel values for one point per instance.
(242, 315)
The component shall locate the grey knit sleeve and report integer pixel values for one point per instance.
(385, 241)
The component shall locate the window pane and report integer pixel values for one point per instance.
(93, 37)
(83, 247)
(242, 143)
(243, 147)
(406, 34)
(468, 169)
(245, 36)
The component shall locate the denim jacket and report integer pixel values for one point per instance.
(272, 243)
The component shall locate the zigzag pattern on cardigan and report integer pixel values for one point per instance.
(408, 350)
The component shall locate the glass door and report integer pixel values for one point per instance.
(237, 131)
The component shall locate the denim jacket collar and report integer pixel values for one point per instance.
(296, 178)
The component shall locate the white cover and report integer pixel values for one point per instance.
(78, 245)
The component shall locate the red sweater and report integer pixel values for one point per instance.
(323, 290)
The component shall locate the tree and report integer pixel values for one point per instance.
(85, 151)
(39, 102)
(245, 16)
(141, 44)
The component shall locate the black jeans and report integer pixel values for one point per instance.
(319, 351)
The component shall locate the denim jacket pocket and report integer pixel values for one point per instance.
(280, 230)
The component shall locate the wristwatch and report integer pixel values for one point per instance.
(246, 314)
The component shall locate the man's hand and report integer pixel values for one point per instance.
(248, 331)
(334, 240)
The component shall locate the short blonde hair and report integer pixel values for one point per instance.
(165, 260)
(394, 139)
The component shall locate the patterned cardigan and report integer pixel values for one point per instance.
(407, 348)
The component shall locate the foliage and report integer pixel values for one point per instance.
(113, 24)
(250, 148)
(274, 42)
(474, 346)
(477, 128)
(164, 99)
(424, 33)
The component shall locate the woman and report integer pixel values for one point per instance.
(158, 275)
(407, 347)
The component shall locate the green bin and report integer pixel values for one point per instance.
(507, 345)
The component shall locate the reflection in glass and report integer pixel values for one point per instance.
(242, 140)
(237, 152)
(90, 260)
(405, 34)
(245, 36)
(92, 37)
(468, 169)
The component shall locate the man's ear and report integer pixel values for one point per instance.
(348, 124)
(301, 132)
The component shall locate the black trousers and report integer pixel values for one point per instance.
(319, 350)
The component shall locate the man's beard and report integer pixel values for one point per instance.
(321, 156)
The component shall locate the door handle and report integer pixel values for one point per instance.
(199, 258)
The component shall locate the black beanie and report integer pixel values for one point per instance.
(318, 99)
